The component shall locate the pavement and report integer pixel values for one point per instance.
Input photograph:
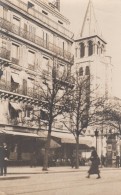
(26, 172)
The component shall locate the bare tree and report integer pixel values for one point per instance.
(55, 88)
(85, 109)
(112, 115)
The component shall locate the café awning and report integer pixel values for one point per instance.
(69, 138)
(17, 133)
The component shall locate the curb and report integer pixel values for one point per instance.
(13, 177)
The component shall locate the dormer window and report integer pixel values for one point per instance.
(90, 48)
(44, 12)
(60, 22)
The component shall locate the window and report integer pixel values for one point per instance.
(16, 21)
(98, 47)
(82, 50)
(81, 71)
(15, 51)
(31, 57)
(15, 82)
(24, 87)
(87, 70)
(61, 69)
(90, 48)
(30, 86)
(43, 114)
(45, 64)
(5, 12)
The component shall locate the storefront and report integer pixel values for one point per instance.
(21, 145)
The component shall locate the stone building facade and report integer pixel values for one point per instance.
(33, 36)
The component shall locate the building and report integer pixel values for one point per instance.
(33, 36)
(91, 59)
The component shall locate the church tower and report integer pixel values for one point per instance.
(90, 55)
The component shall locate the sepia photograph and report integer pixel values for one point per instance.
(60, 98)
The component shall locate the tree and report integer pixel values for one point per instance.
(112, 115)
(84, 109)
(55, 88)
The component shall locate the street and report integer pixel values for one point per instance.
(65, 183)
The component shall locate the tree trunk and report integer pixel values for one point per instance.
(77, 153)
(47, 147)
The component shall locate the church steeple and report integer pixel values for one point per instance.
(90, 25)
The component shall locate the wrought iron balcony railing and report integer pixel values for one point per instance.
(44, 19)
(35, 39)
(30, 92)
(4, 53)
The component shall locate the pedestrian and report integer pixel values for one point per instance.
(6, 157)
(3, 159)
(73, 161)
(95, 161)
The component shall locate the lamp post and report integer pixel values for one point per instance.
(96, 135)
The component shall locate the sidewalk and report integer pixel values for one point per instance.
(26, 172)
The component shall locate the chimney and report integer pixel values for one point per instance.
(58, 4)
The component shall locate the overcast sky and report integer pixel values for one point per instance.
(108, 15)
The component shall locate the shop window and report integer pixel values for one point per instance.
(90, 48)
(82, 50)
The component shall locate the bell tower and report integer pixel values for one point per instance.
(90, 54)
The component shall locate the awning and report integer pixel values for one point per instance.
(54, 144)
(69, 138)
(16, 78)
(16, 106)
(17, 133)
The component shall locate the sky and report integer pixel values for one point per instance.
(108, 15)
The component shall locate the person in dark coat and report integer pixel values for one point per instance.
(95, 161)
(1, 160)
(5, 159)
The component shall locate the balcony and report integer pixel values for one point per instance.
(30, 92)
(41, 17)
(35, 39)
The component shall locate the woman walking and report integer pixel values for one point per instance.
(95, 162)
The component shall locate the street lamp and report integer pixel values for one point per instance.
(96, 135)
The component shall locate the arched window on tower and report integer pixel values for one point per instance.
(87, 70)
(82, 50)
(81, 71)
(102, 48)
(98, 47)
(90, 48)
